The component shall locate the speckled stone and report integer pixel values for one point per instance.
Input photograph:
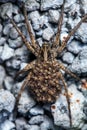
(53, 16)
(2, 40)
(36, 111)
(7, 125)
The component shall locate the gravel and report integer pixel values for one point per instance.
(44, 16)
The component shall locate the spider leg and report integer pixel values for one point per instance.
(67, 97)
(61, 48)
(68, 71)
(57, 38)
(26, 68)
(36, 46)
(23, 37)
(23, 87)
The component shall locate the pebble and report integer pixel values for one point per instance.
(4, 1)
(75, 46)
(32, 5)
(84, 127)
(25, 103)
(2, 41)
(79, 64)
(7, 101)
(37, 119)
(47, 33)
(46, 5)
(53, 16)
(7, 125)
(6, 9)
(18, 18)
(1, 28)
(15, 43)
(8, 83)
(7, 28)
(36, 111)
(81, 33)
(3, 74)
(60, 111)
(68, 57)
(32, 127)
(20, 123)
(7, 53)
(13, 33)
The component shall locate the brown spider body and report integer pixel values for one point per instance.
(44, 84)
(45, 76)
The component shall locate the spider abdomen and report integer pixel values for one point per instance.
(44, 84)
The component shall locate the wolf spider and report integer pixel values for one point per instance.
(45, 75)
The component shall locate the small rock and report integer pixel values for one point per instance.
(84, 127)
(60, 111)
(2, 40)
(1, 50)
(0, 28)
(8, 82)
(3, 74)
(79, 64)
(20, 123)
(7, 53)
(75, 47)
(45, 5)
(36, 111)
(15, 43)
(7, 125)
(68, 57)
(13, 33)
(32, 5)
(7, 29)
(37, 119)
(48, 33)
(81, 33)
(6, 9)
(4, 1)
(32, 127)
(7, 101)
(18, 18)
(53, 16)
(25, 103)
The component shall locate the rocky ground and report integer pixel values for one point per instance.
(44, 15)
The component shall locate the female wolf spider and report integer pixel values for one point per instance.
(45, 75)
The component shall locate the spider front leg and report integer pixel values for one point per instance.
(26, 68)
(61, 48)
(57, 38)
(23, 87)
(68, 71)
(67, 97)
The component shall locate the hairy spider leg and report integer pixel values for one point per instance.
(26, 68)
(23, 87)
(67, 97)
(28, 45)
(63, 45)
(68, 71)
(28, 24)
(57, 38)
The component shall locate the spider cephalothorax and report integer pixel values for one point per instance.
(45, 75)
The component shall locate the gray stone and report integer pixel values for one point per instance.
(37, 119)
(18, 18)
(20, 123)
(1, 50)
(36, 111)
(8, 82)
(4, 1)
(2, 40)
(6, 9)
(47, 33)
(45, 5)
(79, 65)
(60, 110)
(75, 47)
(13, 33)
(25, 103)
(7, 29)
(7, 53)
(7, 101)
(32, 127)
(53, 16)
(32, 5)
(0, 28)
(81, 33)
(15, 43)
(84, 127)
(7, 125)
(68, 57)
(40, 42)
(84, 4)
(3, 74)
